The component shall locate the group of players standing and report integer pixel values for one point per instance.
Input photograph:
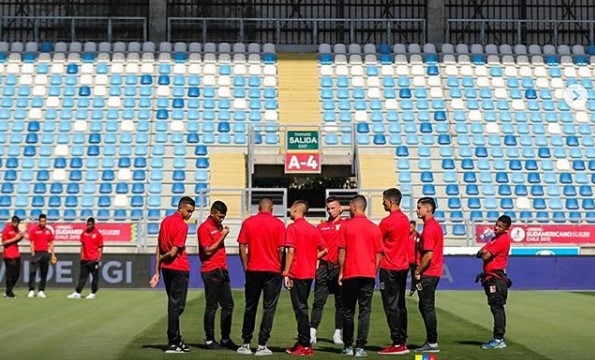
(42, 254)
(341, 256)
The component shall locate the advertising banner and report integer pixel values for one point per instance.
(546, 234)
(545, 251)
(116, 271)
(112, 232)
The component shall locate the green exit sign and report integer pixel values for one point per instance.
(302, 140)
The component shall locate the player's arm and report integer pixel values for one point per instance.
(32, 245)
(210, 250)
(288, 261)
(341, 264)
(155, 279)
(322, 252)
(426, 260)
(14, 240)
(99, 247)
(244, 255)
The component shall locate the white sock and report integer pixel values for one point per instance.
(433, 344)
(338, 332)
(209, 342)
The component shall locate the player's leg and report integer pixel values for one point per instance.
(44, 265)
(212, 291)
(254, 285)
(350, 294)
(226, 303)
(94, 269)
(33, 267)
(321, 292)
(401, 283)
(388, 292)
(271, 291)
(426, 290)
(365, 293)
(83, 275)
(299, 299)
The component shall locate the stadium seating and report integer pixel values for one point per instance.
(483, 131)
(122, 132)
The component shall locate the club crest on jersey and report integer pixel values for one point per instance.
(337, 227)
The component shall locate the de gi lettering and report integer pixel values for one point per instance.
(112, 272)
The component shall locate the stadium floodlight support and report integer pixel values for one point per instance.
(48, 22)
(520, 28)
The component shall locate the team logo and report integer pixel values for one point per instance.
(381, 285)
(492, 289)
(337, 227)
(517, 234)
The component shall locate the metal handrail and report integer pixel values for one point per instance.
(73, 20)
(279, 23)
(519, 24)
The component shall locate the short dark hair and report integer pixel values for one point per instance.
(15, 218)
(505, 219)
(91, 219)
(394, 195)
(361, 200)
(42, 216)
(331, 199)
(219, 206)
(302, 202)
(413, 222)
(186, 200)
(428, 201)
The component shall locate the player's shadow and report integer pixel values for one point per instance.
(470, 342)
(155, 347)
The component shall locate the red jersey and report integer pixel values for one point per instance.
(362, 241)
(173, 232)
(91, 242)
(41, 238)
(413, 238)
(307, 241)
(395, 240)
(10, 251)
(330, 233)
(432, 239)
(499, 247)
(264, 234)
(208, 234)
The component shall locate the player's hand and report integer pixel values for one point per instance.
(340, 280)
(225, 230)
(54, 259)
(154, 281)
(288, 282)
(417, 276)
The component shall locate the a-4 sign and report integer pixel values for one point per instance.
(302, 163)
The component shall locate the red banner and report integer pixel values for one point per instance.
(546, 234)
(302, 163)
(112, 232)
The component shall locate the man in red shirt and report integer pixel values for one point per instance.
(305, 246)
(327, 273)
(42, 252)
(393, 271)
(11, 236)
(215, 275)
(429, 270)
(360, 252)
(413, 242)
(172, 260)
(91, 251)
(495, 281)
(261, 239)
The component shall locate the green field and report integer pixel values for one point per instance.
(129, 324)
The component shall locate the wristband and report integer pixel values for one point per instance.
(284, 274)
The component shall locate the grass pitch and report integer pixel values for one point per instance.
(129, 324)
